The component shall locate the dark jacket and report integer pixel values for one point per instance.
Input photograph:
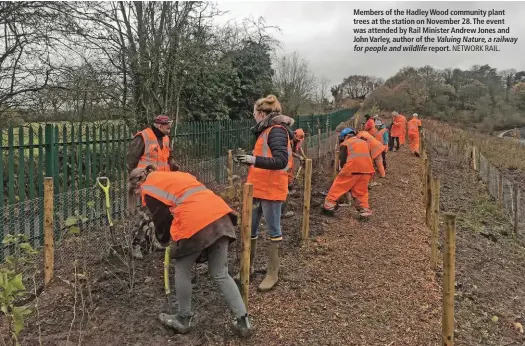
(277, 141)
(136, 150)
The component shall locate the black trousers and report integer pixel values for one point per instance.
(383, 154)
(391, 143)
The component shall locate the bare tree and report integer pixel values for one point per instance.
(294, 82)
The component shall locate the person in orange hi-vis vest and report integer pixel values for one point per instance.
(268, 172)
(298, 152)
(382, 136)
(414, 126)
(370, 124)
(356, 172)
(150, 146)
(376, 148)
(196, 224)
(396, 131)
(402, 138)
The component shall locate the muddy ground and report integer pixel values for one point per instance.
(490, 278)
(352, 283)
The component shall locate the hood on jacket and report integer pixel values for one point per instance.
(274, 119)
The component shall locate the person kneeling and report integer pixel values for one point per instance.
(356, 172)
(197, 223)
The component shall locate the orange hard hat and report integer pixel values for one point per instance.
(299, 133)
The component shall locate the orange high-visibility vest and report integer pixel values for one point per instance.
(397, 127)
(379, 135)
(376, 147)
(153, 154)
(192, 205)
(269, 184)
(413, 125)
(358, 158)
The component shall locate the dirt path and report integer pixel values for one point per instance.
(354, 283)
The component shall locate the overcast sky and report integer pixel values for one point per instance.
(322, 32)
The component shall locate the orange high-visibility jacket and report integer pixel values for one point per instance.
(192, 205)
(413, 125)
(380, 134)
(376, 147)
(397, 127)
(358, 158)
(153, 154)
(269, 184)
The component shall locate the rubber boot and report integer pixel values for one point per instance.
(181, 324)
(365, 212)
(243, 326)
(253, 252)
(136, 252)
(273, 268)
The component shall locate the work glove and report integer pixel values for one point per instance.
(245, 159)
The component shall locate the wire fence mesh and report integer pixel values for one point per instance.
(81, 229)
(505, 191)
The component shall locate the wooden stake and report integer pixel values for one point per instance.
(424, 179)
(449, 273)
(474, 159)
(516, 196)
(306, 203)
(435, 223)
(49, 245)
(231, 190)
(319, 144)
(336, 164)
(429, 198)
(246, 231)
(500, 189)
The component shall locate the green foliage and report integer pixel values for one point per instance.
(75, 221)
(482, 95)
(11, 283)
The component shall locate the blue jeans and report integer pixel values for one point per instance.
(272, 214)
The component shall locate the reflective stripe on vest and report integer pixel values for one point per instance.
(170, 197)
(146, 158)
(352, 155)
(266, 151)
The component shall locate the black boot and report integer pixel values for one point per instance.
(181, 324)
(243, 326)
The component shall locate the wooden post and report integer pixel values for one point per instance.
(319, 144)
(449, 273)
(435, 223)
(306, 202)
(474, 159)
(429, 198)
(49, 245)
(424, 179)
(246, 231)
(500, 189)
(231, 190)
(336, 164)
(516, 196)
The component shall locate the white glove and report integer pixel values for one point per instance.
(246, 159)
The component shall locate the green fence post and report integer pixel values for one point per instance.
(217, 151)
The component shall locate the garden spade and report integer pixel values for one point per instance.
(167, 256)
(105, 188)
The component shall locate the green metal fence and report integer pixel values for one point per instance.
(75, 154)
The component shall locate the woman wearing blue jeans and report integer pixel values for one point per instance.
(269, 165)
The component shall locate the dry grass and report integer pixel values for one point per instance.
(504, 153)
